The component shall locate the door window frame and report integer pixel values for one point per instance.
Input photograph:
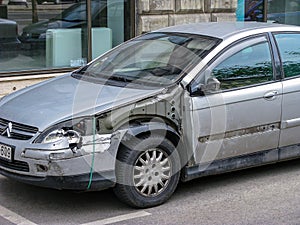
(226, 53)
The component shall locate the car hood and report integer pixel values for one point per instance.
(64, 98)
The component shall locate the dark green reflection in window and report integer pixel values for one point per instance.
(289, 47)
(249, 66)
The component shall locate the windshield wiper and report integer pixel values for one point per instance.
(120, 78)
(164, 71)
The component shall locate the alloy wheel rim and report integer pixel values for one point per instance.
(152, 172)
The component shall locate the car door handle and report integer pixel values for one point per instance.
(271, 95)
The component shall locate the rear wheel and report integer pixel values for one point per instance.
(147, 172)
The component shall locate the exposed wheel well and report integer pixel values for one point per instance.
(142, 131)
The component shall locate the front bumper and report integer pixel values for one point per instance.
(77, 182)
(61, 169)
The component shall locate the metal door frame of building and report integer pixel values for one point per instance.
(129, 23)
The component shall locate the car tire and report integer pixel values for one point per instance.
(147, 171)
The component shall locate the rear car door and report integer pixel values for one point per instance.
(289, 49)
(244, 116)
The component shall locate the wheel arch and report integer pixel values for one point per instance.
(162, 127)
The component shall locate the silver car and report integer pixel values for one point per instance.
(172, 105)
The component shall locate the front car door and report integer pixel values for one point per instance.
(244, 116)
(289, 49)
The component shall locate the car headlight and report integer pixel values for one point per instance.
(71, 131)
(26, 35)
(72, 136)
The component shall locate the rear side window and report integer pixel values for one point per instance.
(289, 48)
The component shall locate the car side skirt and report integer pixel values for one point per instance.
(241, 162)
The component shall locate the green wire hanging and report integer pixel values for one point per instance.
(93, 156)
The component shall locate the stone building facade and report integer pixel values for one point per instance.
(155, 14)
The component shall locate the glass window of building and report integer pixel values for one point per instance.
(274, 11)
(284, 11)
(57, 34)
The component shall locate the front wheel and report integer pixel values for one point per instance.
(147, 172)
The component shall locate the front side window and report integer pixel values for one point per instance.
(156, 59)
(289, 47)
(248, 66)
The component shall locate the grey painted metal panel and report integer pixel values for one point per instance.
(290, 133)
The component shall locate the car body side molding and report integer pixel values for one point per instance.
(241, 162)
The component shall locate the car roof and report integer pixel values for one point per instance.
(225, 30)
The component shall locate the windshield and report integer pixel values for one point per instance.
(155, 59)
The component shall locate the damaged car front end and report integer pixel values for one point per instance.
(77, 153)
(66, 133)
(60, 157)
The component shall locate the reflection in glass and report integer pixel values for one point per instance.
(289, 47)
(59, 38)
(157, 59)
(278, 11)
(249, 66)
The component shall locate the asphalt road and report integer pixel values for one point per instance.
(264, 195)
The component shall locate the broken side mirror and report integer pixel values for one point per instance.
(212, 85)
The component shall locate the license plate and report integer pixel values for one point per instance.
(6, 152)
